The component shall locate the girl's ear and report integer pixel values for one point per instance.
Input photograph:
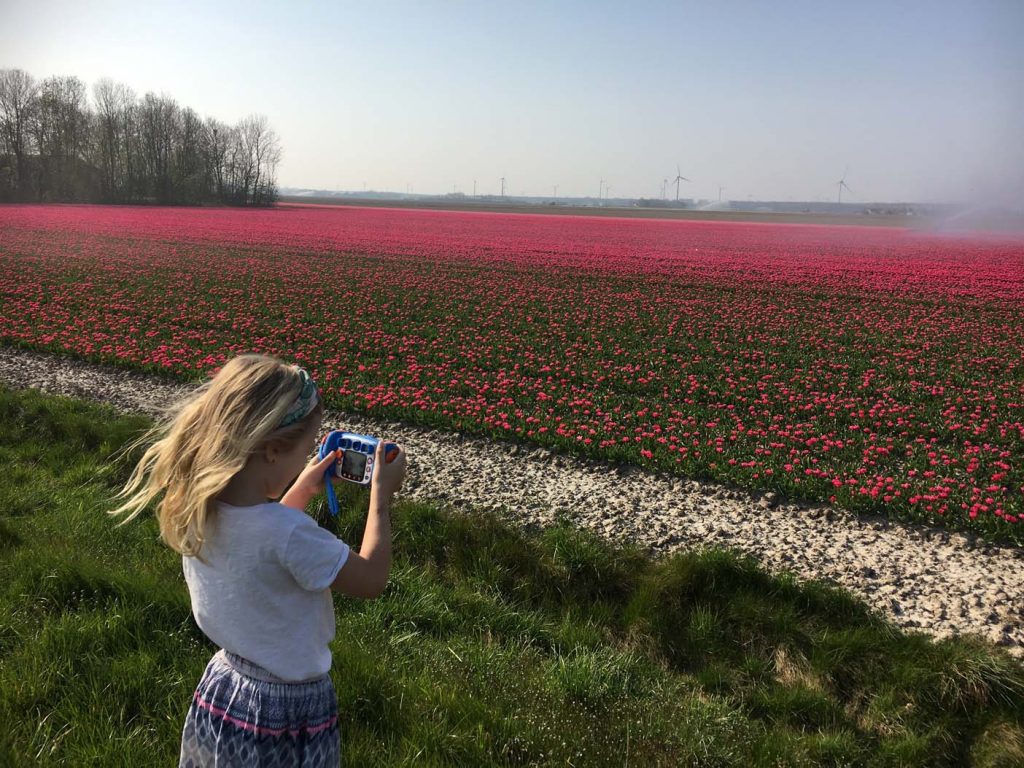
(270, 451)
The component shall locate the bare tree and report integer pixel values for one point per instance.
(238, 168)
(159, 118)
(262, 149)
(54, 146)
(216, 140)
(189, 179)
(243, 161)
(18, 95)
(268, 155)
(60, 126)
(114, 134)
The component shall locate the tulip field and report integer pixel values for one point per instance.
(876, 369)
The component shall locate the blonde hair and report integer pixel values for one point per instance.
(205, 438)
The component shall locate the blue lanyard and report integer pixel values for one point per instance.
(332, 497)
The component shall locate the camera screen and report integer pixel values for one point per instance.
(354, 464)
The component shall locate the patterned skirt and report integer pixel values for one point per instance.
(241, 715)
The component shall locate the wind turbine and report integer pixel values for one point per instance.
(677, 179)
(502, 186)
(664, 188)
(842, 183)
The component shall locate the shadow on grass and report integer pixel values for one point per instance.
(803, 653)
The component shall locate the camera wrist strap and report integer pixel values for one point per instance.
(332, 497)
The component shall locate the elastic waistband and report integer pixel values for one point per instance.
(250, 669)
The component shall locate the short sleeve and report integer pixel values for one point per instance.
(313, 556)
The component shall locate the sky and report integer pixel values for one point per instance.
(912, 101)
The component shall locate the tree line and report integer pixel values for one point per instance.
(58, 145)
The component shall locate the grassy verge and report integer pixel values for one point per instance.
(491, 646)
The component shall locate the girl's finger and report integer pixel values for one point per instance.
(331, 456)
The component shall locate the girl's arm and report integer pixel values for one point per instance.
(365, 574)
(308, 484)
(296, 498)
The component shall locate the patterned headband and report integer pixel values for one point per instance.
(304, 403)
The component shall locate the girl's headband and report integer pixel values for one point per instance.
(304, 403)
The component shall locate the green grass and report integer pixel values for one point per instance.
(491, 645)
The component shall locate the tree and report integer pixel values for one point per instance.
(261, 151)
(159, 118)
(55, 146)
(18, 95)
(114, 134)
(216, 140)
(60, 126)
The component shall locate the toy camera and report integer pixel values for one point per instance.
(356, 463)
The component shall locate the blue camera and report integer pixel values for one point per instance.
(356, 463)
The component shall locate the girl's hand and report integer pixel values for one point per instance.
(388, 478)
(310, 482)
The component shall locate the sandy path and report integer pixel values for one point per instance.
(940, 582)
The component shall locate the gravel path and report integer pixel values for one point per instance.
(921, 578)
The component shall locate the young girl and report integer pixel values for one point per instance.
(260, 572)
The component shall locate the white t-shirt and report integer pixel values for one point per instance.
(264, 591)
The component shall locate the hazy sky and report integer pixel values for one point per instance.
(921, 101)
